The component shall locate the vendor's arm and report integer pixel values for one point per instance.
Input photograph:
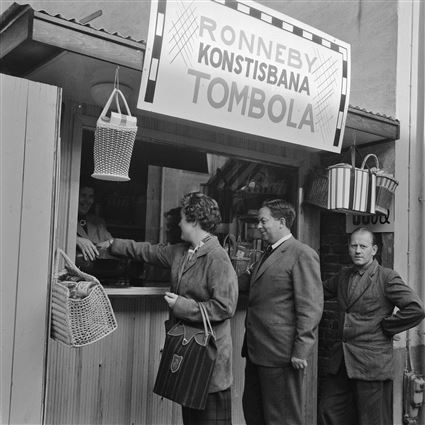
(411, 309)
(222, 286)
(159, 254)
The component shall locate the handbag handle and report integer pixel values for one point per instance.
(371, 155)
(206, 320)
(115, 93)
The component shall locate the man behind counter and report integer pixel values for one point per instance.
(91, 229)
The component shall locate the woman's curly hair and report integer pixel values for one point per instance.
(202, 209)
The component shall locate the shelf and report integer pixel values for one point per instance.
(136, 291)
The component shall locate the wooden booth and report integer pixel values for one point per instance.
(111, 381)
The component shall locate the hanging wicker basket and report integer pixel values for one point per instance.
(351, 189)
(317, 189)
(76, 321)
(113, 141)
(386, 186)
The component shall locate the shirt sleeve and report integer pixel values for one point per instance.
(410, 307)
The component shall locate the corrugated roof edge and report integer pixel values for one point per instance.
(16, 9)
(374, 114)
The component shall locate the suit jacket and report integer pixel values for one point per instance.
(208, 277)
(285, 305)
(366, 322)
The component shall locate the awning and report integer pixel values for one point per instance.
(39, 46)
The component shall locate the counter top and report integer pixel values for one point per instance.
(135, 291)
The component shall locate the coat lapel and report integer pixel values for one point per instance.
(273, 257)
(355, 293)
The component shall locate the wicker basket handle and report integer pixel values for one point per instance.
(371, 155)
(119, 92)
(114, 95)
(71, 266)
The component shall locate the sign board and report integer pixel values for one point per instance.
(244, 67)
(376, 223)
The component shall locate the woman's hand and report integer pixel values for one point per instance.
(87, 248)
(171, 299)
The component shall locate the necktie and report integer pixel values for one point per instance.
(266, 254)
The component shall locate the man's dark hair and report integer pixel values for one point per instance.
(365, 230)
(281, 209)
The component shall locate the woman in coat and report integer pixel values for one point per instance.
(201, 271)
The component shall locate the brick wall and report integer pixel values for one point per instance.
(333, 255)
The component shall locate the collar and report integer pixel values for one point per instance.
(205, 243)
(362, 271)
(192, 251)
(280, 241)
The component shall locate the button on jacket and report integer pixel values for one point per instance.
(366, 322)
(207, 277)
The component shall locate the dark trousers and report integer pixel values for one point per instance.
(273, 395)
(355, 402)
(218, 411)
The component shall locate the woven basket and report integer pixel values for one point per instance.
(351, 189)
(240, 264)
(113, 142)
(317, 190)
(79, 322)
(386, 185)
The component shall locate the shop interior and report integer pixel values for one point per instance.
(146, 207)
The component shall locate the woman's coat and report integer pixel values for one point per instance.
(207, 277)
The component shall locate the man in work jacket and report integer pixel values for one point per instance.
(358, 387)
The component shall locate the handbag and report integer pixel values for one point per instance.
(187, 363)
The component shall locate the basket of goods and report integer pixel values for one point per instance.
(114, 140)
(81, 312)
(317, 189)
(238, 253)
(386, 185)
(351, 189)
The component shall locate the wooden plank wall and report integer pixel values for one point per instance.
(29, 131)
(111, 382)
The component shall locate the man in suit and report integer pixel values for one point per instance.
(358, 387)
(284, 309)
